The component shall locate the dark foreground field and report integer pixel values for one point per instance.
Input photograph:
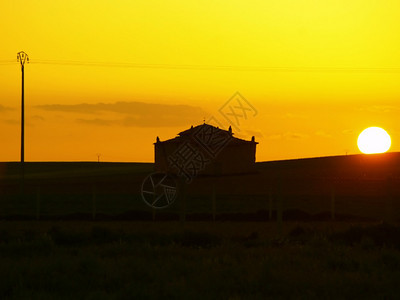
(198, 260)
(290, 229)
(355, 186)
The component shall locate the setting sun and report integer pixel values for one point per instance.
(374, 140)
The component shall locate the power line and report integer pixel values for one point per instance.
(7, 62)
(216, 67)
(225, 67)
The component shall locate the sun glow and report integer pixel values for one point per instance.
(374, 140)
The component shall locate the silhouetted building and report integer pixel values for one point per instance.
(205, 149)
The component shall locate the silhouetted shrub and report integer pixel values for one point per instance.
(40, 246)
(66, 238)
(208, 261)
(296, 232)
(379, 235)
(196, 239)
(391, 260)
(101, 235)
(4, 236)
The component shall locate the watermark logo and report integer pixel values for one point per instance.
(188, 160)
(159, 190)
(212, 139)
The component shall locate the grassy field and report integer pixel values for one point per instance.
(81, 230)
(198, 260)
(365, 187)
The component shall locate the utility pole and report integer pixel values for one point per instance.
(23, 58)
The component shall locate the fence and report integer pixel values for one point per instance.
(240, 197)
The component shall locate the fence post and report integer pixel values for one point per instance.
(38, 199)
(280, 208)
(270, 205)
(214, 204)
(94, 201)
(389, 206)
(333, 200)
(183, 202)
(3, 200)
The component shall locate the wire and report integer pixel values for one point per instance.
(215, 67)
(7, 62)
(222, 67)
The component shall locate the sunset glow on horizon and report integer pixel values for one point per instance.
(106, 78)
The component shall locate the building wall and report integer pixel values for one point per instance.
(239, 158)
(161, 152)
(234, 158)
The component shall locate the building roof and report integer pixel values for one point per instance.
(203, 127)
(208, 129)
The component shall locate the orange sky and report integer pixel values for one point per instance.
(109, 76)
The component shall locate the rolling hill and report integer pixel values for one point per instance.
(364, 186)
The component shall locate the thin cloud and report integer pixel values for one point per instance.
(5, 108)
(136, 108)
(290, 115)
(288, 136)
(295, 136)
(12, 122)
(158, 120)
(96, 121)
(379, 108)
(254, 133)
(348, 131)
(152, 121)
(323, 134)
(137, 114)
(275, 137)
(37, 118)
